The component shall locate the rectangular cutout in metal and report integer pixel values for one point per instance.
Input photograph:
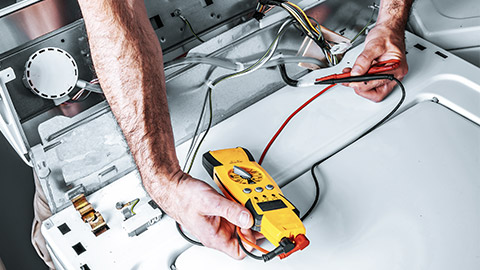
(444, 56)
(64, 228)
(206, 3)
(156, 22)
(79, 248)
(419, 46)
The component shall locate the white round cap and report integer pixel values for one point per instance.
(51, 73)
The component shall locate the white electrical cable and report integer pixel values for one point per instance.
(264, 59)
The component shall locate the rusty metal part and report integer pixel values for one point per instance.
(89, 215)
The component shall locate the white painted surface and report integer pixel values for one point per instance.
(325, 126)
(448, 24)
(114, 249)
(471, 54)
(9, 125)
(407, 196)
(339, 116)
(404, 197)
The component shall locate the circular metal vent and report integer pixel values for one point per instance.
(51, 73)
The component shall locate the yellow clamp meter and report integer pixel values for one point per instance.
(243, 180)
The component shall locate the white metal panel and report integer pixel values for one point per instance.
(446, 79)
(325, 126)
(407, 196)
(448, 24)
(9, 124)
(471, 54)
(339, 116)
(114, 249)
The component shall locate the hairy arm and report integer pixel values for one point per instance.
(385, 41)
(129, 64)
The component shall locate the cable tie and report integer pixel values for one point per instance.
(305, 84)
(209, 83)
(240, 66)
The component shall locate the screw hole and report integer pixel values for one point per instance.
(181, 29)
(219, 16)
(62, 40)
(212, 14)
(162, 39)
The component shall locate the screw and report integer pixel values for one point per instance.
(48, 224)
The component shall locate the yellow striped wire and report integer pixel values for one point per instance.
(304, 15)
(289, 9)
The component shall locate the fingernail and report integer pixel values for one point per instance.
(244, 219)
(356, 70)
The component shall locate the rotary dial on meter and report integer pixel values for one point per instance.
(245, 175)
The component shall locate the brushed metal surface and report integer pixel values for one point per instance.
(34, 20)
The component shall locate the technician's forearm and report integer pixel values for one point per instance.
(128, 61)
(394, 14)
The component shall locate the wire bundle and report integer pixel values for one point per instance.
(305, 22)
(313, 32)
(78, 95)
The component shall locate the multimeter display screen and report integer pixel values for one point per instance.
(272, 205)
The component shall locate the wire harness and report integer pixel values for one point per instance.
(304, 21)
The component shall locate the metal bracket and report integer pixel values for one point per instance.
(89, 215)
(9, 123)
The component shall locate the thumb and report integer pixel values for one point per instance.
(233, 212)
(365, 60)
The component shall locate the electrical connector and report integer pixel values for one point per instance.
(258, 15)
(287, 247)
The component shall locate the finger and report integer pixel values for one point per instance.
(248, 234)
(386, 89)
(347, 69)
(231, 211)
(371, 95)
(228, 246)
(368, 85)
(365, 59)
(377, 94)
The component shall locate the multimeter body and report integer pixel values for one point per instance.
(243, 180)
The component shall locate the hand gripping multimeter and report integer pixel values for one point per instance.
(243, 180)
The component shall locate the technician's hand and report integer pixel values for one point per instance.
(382, 43)
(209, 216)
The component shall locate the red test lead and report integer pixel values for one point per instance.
(379, 67)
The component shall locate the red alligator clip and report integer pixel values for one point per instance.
(375, 68)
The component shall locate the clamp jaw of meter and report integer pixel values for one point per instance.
(243, 180)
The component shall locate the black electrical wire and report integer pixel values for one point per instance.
(249, 254)
(190, 240)
(196, 243)
(312, 168)
(304, 20)
(383, 120)
(285, 77)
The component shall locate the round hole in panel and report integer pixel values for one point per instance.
(51, 73)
